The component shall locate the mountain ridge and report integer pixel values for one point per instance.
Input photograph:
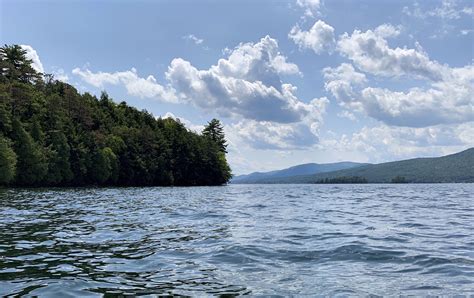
(452, 168)
(302, 169)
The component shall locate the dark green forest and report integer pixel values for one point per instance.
(51, 135)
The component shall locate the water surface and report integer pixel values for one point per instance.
(239, 239)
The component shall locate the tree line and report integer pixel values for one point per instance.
(51, 135)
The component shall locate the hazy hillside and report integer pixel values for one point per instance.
(304, 169)
(458, 167)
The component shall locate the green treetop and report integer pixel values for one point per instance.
(215, 132)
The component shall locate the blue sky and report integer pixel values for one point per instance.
(293, 81)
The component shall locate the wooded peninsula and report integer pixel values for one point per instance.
(51, 135)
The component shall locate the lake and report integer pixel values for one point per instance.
(239, 239)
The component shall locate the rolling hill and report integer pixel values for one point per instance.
(304, 169)
(458, 168)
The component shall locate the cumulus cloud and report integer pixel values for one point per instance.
(319, 38)
(247, 84)
(448, 101)
(371, 53)
(311, 7)
(274, 136)
(446, 98)
(135, 85)
(33, 56)
(384, 142)
(193, 38)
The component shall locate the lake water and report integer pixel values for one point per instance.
(239, 239)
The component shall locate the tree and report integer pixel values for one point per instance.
(59, 170)
(101, 168)
(7, 162)
(32, 164)
(215, 132)
(15, 66)
(53, 135)
(112, 164)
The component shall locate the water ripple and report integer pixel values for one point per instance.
(348, 240)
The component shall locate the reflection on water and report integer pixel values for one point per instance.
(239, 239)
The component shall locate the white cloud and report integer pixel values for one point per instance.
(135, 85)
(247, 84)
(447, 101)
(371, 53)
(60, 75)
(466, 31)
(33, 56)
(347, 114)
(446, 98)
(342, 82)
(448, 10)
(193, 38)
(311, 6)
(319, 38)
(273, 136)
(382, 143)
(194, 127)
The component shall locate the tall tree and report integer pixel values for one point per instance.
(32, 164)
(15, 65)
(59, 168)
(215, 132)
(7, 162)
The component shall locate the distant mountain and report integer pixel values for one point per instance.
(458, 167)
(304, 169)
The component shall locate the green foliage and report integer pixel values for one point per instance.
(32, 164)
(15, 65)
(399, 179)
(7, 162)
(342, 180)
(215, 132)
(55, 136)
(59, 171)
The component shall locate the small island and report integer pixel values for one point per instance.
(51, 135)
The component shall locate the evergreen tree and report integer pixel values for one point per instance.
(15, 65)
(59, 170)
(101, 168)
(63, 138)
(7, 162)
(215, 132)
(32, 164)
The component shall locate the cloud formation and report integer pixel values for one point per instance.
(135, 85)
(311, 7)
(448, 10)
(447, 98)
(319, 38)
(370, 52)
(33, 56)
(384, 142)
(193, 38)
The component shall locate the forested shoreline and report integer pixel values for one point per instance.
(51, 135)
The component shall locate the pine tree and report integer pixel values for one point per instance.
(7, 162)
(15, 65)
(59, 170)
(32, 164)
(215, 132)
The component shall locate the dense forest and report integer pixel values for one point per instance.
(342, 180)
(50, 135)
